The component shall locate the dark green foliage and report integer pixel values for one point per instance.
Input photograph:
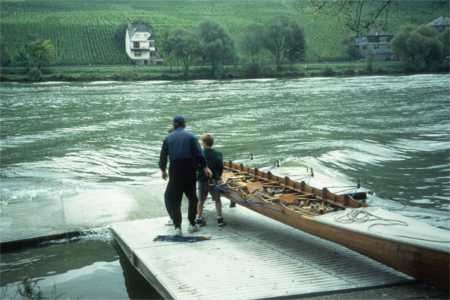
(184, 46)
(444, 37)
(369, 62)
(427, 31)
(253, 42)
(296, 42)
(349, 72)
(37, 54)
(252, 69)
(5, 56)
(353, 51)
(216, 46)
(34, 74)
(419, 48)
(328, 72)
(285, 40)
(119, 36)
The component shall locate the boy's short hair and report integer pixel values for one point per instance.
(208, 140)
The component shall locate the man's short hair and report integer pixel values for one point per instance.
(208, 140)
(179, 121)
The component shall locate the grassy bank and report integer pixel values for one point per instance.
(133, 73)
(84, 31)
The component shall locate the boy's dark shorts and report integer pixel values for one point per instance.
(205, 187)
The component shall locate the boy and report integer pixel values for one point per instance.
(206, 185)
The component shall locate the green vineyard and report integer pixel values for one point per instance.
(84, 31)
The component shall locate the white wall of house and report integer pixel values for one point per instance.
(138, 46)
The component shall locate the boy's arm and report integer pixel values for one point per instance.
(200, 158)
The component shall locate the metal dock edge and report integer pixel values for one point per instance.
(253, 257)
(141, 267)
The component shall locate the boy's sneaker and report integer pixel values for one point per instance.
(192, 228)
(200, 222)
(178, 231)
(220, 222)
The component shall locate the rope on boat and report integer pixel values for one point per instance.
(363, 216)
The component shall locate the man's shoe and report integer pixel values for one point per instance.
(178, 231)
(192, 228)
(200, 222)
(220, 222)
(232, 204)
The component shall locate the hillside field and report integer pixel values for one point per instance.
(84, 31)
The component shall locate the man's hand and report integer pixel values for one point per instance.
(164, 175)
(208, 172)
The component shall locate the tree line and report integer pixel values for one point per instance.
(34, 56)
(209, 43)
(280, 41)
(422, 48)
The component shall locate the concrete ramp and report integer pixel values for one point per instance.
(252, 257)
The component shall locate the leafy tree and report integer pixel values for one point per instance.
(38, 54)
(444, 37)
(119, 36)
(216, 46)
(419, 48)
(427, 31)
(5, 56)
(297, 43)
(184, 46)
(353, 51)
(253, 41)
(285, 41)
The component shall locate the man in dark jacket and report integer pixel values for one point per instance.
(186, 157)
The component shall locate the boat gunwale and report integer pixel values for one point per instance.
(343, 201)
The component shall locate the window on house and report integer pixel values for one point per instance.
(135, 44)
(137, 53)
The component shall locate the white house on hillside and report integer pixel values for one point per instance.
(139, 44)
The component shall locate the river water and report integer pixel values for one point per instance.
(84, 155)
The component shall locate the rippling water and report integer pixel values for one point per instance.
(67, 140)
(83, 155)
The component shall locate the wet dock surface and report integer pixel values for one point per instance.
(252, 257)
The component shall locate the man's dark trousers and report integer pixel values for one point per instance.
(182, 179)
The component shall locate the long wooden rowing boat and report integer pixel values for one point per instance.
(414, 248)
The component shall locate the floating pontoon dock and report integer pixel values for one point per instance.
(253, 257)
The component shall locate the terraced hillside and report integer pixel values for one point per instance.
(84, 31)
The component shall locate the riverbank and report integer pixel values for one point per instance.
(141, 73)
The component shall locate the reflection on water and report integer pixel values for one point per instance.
(85, 269)
(137, 286)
